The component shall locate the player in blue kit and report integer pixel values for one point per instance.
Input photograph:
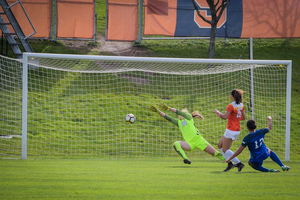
(258, 150)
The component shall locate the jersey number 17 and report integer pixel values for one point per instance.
(258, 143)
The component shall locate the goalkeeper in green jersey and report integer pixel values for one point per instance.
(192, 136)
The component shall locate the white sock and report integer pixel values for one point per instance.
(225, 156)
(229, 153)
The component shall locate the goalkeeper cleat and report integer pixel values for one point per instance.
(240, 166)
(285, 168)
(274, 170)
(187, 161)
(229, 167)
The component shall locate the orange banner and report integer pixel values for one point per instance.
(75, 19)
(162, 12)
(271, 19)
(122, 20)
(40, 14)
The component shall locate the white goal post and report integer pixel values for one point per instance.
(75, 105)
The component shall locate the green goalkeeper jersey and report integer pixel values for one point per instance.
(186, 125)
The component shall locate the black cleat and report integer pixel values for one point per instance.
(240, 166)
(229, 167)
(187, 161)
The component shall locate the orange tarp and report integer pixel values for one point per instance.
(270, 19)
(75, 19)
(122, 20)
(40, 14)
(160, 17)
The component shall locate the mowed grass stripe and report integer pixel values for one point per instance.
(155, 178)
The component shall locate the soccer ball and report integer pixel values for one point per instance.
(130, 118)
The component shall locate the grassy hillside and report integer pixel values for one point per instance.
(267, 49)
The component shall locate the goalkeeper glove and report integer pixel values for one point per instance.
(163, 106)
(154, 109)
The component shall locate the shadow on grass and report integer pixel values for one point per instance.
(184, 166)
(221, 172)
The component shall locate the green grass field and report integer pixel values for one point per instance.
(143, 179)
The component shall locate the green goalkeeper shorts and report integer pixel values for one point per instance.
(198, 142)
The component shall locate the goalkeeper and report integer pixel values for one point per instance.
(192, 136)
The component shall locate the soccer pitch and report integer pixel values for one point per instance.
(144, 178)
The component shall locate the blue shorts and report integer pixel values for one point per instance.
(259, 161)
(254, 163)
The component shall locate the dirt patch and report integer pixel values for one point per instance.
(137, 80)
(103, 47)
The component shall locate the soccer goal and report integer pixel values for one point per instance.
(74, 106)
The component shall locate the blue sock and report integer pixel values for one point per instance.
(275, 158)
(261, 168)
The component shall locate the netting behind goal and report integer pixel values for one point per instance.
(10, 108)
(77, 104)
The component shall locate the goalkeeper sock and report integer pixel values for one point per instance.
(219, 155)
(275, 158)
(179, 150)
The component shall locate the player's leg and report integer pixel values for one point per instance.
(258, 166)
(220, 143)
(212, 151)
(229, 137)
(226, 144)
(180, 147)
(203, 145)
(276, 159)
(220, 146)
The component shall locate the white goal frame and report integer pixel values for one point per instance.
(26, 63)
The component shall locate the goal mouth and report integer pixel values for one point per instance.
(74, 106)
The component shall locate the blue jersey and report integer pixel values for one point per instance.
(256, 145)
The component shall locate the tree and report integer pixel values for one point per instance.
(216, 13)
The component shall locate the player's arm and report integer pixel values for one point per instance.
(223, 116)
(243, 115)
(236, 153)
(183, 114)
(269, 118)
(163, 106)
(170, 119)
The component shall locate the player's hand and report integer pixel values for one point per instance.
(199, 116)
(154, 109)
(216, 111)
(226, 161)
(163, 106)
(269, 118)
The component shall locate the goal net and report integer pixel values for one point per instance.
(74, 106)
(10, 108)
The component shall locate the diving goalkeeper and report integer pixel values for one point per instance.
(192, 136)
